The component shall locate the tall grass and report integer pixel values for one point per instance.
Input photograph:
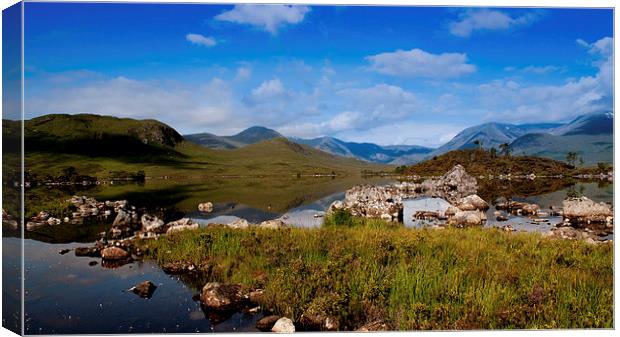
(412, 279)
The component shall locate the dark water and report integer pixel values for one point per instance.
(65, 295)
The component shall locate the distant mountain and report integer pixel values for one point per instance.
(590, 136)
(248, 136)
(590, 124)
(491, 135)
(367, 151)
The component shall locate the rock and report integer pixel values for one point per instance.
(64, 251)
(336, 205)
(93, 263)
(144, 289)
(451, 211)
(123, 219)
(181, 225)
(151, 223)
(283, 325)
(53, 221)
(114, 254)
(178, 267)
(582, 210)
(501, 217)
(256, 295)
(87, 251)
(530, 209)
(66, 219)
(42, 216)
(33, 225)
(218, 296)
(266, 323)
(466, 219)
(206, 207)
(472, 202)
(239, 224)
(373, 326)
(272, 224)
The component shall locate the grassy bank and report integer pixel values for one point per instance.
(412, 279)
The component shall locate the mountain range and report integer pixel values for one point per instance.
(590, 136)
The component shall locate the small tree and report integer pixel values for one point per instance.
(505, 149)
(571, 157)
(493, 152)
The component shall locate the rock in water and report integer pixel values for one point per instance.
(266, 323)
(283, 325)
(239, 223)
(218, 296)
(144, 289)
(471, 203)
(114, 254)
(181, 225)
(206, 207)
(466, 218)
(151, 223)
(272, 224)
(87, 251)
(583, 210)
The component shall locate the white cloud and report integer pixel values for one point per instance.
(268, 90)
(418, 63)
(486, 19)
(268, 17)
(603, 47)
(509, 101)
(243, 73)
(201, 40)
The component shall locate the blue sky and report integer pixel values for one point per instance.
(389, 75)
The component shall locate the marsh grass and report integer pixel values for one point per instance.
(412, 279)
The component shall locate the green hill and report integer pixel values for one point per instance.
(100, 145)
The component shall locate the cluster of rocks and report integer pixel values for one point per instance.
(386, 202)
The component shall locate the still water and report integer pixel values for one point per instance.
(68, 294)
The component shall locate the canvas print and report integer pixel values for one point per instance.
(193, 168)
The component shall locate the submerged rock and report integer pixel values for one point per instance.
(144, 289)
(283, 325)
(87, 251)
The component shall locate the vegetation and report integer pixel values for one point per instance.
(358, 271)
(484, 162)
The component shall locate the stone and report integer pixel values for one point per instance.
(579, 211)
(114, 254)
(472, 202)
(53, 221)
(218, 296)
(239, 224)
(266, 323)
(466, 219)
(87, 251)
(144, 289)
(272, 224)
(283, 325)
(501, 217)
(64, 251)
(151, 223)
(530, 209)
(206, 207)
(335, 206)
(123, 219)
(373, 326)
(181, 225)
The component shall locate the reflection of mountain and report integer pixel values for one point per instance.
(251, 135)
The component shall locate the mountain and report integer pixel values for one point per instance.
(367, 151)
(590, 136)
(590, 124)
(248, 136)
(102, 145)
(491, 135)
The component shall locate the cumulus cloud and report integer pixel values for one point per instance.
(267, 17)
(243, 73)
(508, 100)
(201, 40)
(419, 63)
(487, 19)
(268, 90)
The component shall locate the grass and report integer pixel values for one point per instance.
(359, 271)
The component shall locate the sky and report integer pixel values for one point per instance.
(387, 75)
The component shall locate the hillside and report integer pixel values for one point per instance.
(100, 145)
(248, 136)
(480, 162)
